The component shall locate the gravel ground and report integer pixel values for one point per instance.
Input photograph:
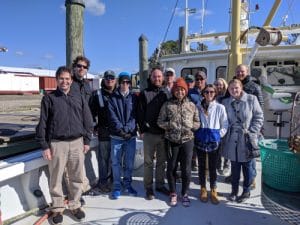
(19, 112)
(16, 103)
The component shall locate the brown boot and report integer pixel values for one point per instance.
(214, 196)
(203, 195)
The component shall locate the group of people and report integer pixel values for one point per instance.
(179, 120)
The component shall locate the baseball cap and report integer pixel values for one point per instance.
(169, 70)
(189, 78)
(109, 73)
(201, 74)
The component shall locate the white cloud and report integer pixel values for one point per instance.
(95, 7)
(48, 56)
(20, 53)
(179, 12)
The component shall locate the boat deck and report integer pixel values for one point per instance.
(137, 210)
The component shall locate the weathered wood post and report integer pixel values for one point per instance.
(74, 29)
(143, 55)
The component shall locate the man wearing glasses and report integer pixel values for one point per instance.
(99, 108)
(80, 67)
(81, 86)
(200, 83)
(122, 113)
(196, 97)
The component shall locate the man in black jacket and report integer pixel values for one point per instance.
(64, 131)
(99, 108)
(150, 101)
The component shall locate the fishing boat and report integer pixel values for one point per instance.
(24, 178)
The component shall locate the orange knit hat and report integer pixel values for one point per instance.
(180, 82)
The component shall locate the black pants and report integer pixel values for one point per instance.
(184, 151)
(212, 166)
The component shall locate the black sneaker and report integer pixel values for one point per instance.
(104, 188)
(232, 197)
(243, 197)
(91, 192)
(78, 213)
(163, 190)
(150, 194)
(57, 218)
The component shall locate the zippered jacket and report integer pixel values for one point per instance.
(214, 125)
(122, 114)
(150, 102)
(64, 117)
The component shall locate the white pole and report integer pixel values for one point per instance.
(186, 19)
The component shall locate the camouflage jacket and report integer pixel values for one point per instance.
(179, 120)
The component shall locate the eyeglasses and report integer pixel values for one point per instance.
(199, 79)
(209, 92)
(81, 66)
(125, 82)
(109, 77)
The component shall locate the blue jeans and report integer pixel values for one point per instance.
(247, 173)
(122, 149)
(104, 162)
(253, 166)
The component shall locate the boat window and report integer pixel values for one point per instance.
(192, 70)
(221, 72)
(282, 76)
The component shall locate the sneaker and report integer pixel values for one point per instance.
(173, 199)
(104, 188)
(243, 197)
(115, 194)
(163, 190)
(130, 191)
(91, 192)
(186, 201)
(149, 194)
(57, 218)
(232, 197)
(78, 213)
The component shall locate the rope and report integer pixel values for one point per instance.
(167, 30)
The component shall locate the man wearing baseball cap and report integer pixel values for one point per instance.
(99, 108)
(170, 76)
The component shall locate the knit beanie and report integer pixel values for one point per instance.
(180, 82)
(124, 76)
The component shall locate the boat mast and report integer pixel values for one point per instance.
(186, 25)
(235, 56)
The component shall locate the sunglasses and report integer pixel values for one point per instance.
(199, 79)
(209, 92)
(125, 82)
(81, 66)
(109, 77)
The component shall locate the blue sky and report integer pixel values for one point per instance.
(34, 30)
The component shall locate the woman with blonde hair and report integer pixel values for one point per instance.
(245, 117)
(221, 85)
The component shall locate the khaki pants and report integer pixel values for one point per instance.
(66, 155)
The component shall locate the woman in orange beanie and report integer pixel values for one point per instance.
(179, 117)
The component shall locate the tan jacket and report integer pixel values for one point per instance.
(179, 120)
